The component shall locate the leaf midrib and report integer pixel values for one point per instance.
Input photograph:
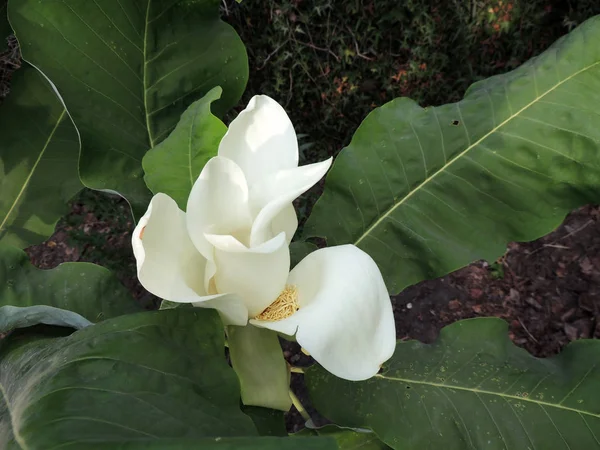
(486, 392)
(33, 169)
(470, 147)
(144, 76)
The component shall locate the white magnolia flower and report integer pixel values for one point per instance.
(229, 251)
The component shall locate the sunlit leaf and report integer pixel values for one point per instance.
(427, 191)
(173, 165)
(39, 150)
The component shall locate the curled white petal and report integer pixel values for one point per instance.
(269, 197)
(168, 264)
(261, 140)
(257, 275)
(231, 308)
(285, 222)
(345, 320)
(218, 204)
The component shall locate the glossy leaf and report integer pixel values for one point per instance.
(472, 389)
(39, 152)
(147, 376)
(72, 294)
(127, 70)
(173, 165)
(347, 438)
(300, 250)
(427, 191)
(268, 422)
(237, 443)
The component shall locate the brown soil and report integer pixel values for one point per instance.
(9, 62)
(97, 231)
(549, 291)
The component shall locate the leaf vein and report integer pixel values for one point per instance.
(493, 420)
(557, 430)
(578, 384)
(528, 399)
(31, 172)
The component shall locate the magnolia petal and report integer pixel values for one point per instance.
(287, 327)
(209, 273)
(168, 264)
(231, 308)
(258, 361)
(218, 204)
(261, 140)
(345, 320)
(286, 221)
(257, 275)
(270, 196)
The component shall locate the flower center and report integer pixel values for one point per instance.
(283, 307)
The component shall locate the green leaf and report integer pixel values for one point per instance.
(268, 422)
(147, 376)
(166, 304)
(39, 151)
(300, 250)
(427, 191)
(257, 358)
(346, 438)
(253, 443)
(127, 70)
(72, 294)
(472, 389)
(173, 165)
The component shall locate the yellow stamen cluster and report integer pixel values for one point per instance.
(283, 307)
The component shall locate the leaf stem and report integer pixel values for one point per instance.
(298, 406)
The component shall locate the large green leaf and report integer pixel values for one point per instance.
(127, 69)
(173, 165)
(73, 294)
(346, 438)
(39, 150)
(472, 389)
(149, 376)
(426, 191)
(268, 422)
(235, 443)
